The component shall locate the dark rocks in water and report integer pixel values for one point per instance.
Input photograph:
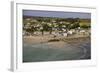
(53, 40)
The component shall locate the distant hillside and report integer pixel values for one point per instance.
(38, 17)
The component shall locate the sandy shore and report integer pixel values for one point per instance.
(74, 41)
(42, 39)
(36, 39)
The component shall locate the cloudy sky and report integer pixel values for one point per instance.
(56, 14)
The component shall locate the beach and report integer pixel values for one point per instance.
(41, 48)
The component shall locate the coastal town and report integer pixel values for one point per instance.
(56, 27)
(44, 29)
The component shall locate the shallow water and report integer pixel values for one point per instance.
(46, 52)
